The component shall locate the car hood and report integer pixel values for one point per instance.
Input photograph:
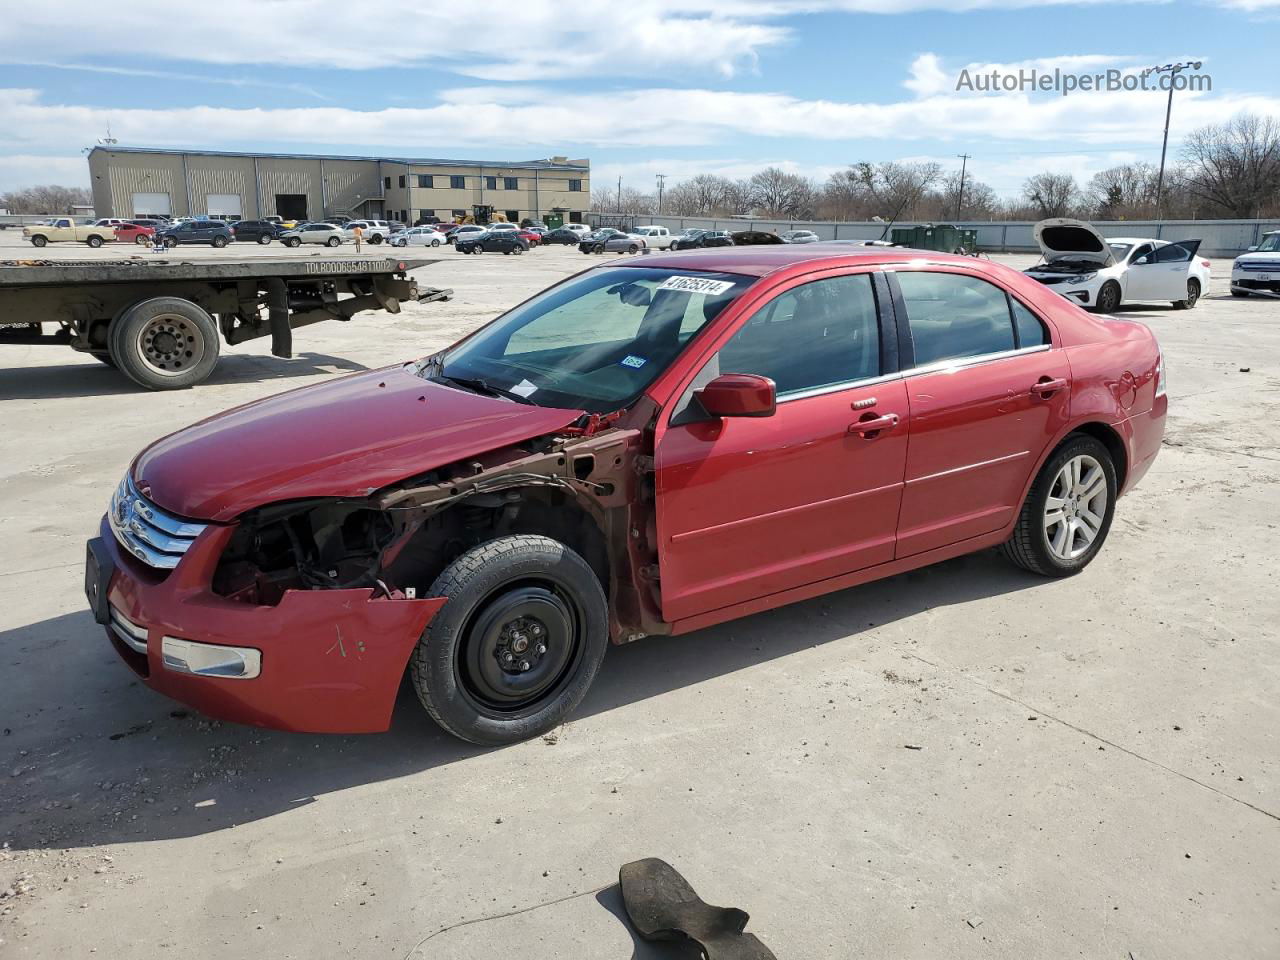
(1062, 238)
(343, 438)
(1253, 255)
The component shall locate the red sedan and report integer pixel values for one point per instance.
(649, 447)
(532, 237)
(134, 233)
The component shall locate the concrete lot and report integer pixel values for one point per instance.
(1097, 774)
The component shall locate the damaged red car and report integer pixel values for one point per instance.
(649, 447)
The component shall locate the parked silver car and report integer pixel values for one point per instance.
(325, 233)
(800, 236)
(613, 241)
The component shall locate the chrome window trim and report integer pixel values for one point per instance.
(958, 362)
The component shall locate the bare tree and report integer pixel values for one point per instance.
(1126, 191)
(979, 201)
(896, 189)
(1234, 167)
(700, 196)
(1052, 194)
(780, 194)
(45, 199)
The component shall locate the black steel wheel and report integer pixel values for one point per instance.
(517, 644)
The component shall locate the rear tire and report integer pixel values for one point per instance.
(332, 242)
(165, 343)
(264, 239)
(140, 239)
(1060, 529)
(517, 602)
(94, 242)
(1193, 296)
(293, 242)
(634, 248)
(219, 242)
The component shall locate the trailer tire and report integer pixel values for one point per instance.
(39, 240)
(165, 343)
(94, 242)
(103, 356)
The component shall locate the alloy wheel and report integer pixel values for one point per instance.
(1076, 507)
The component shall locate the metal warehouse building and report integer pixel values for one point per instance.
(134, 182)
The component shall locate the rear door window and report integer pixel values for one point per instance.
(952, 316)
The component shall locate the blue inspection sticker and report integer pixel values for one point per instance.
(635, 363)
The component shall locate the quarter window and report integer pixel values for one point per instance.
(953, 316)
(1027, 326)
(816, 335)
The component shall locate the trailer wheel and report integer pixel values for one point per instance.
(39, 240)
(165, 343)
(94, 241)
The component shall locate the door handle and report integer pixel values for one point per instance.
(864, 428)
(1046, 387)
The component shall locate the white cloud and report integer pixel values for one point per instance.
(529, 40)
(28, 170)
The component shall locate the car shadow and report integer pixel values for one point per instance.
(89, 378)
(91, 756)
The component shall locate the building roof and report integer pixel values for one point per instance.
(582, 164)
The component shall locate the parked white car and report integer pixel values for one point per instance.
(1102, 273)
(1258, 271)
(325, 233)
(657, 238)
(800, 236)
(375, 231)
(418, 237)
(581, 229)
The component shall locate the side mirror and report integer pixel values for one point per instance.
(1253, 248)
(1142, 260)
(739, 395)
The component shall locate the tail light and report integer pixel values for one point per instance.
(1205, 263)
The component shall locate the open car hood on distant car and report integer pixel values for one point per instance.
(1061, 238)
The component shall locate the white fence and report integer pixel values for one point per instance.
(1219, 238)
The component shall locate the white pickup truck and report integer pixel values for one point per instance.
(656, 238)
(59, 229)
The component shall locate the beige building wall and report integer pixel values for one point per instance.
(354, 187)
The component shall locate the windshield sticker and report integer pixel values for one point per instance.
(696, 285)
(524, 388)
(635, 363)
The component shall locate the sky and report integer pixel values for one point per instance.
(642, 87)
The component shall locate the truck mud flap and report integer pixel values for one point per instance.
(278, 317)
(662, 906)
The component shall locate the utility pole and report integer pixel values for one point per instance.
(619, 193)
(964, 162)
(1173, 69)
(662, 181)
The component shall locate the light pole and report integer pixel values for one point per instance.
(1173, 69)
(662, 181)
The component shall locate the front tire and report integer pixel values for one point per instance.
(517, 644)
(165, 343)
(39, 241)
(293, 242)
(1108, 298)
(1067, 515)
(1193, 296)
(1236, 292)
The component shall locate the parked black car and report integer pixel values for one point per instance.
(262, 231)
(492, 241)
(693, 239)
(214, 232)
(562, 235)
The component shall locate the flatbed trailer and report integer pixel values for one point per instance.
(160, 321)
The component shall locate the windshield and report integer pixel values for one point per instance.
(1119, 250)
(1269, 243)
(594, 342)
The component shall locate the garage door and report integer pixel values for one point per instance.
(223, 205)
(146, 204)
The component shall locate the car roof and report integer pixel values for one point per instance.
(760, 260)
(1135, 240)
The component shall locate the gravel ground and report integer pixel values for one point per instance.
(1096, 773)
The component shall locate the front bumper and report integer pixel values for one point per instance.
(1251, 280)
(321, 661)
